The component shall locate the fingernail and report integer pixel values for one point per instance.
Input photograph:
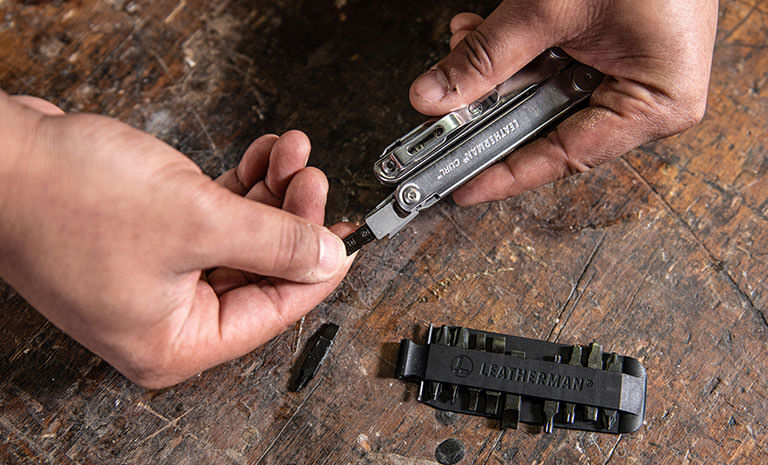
(332, 255)
(432, 85)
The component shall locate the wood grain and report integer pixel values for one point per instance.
(661, 255)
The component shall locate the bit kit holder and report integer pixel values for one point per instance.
(517, 379)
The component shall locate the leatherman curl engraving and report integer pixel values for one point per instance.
(436, 158)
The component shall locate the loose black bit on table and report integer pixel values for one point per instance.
(321, 345)
(517, 379)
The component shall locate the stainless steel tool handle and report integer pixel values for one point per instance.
(497, 138)
(441, 163)
(408, 153)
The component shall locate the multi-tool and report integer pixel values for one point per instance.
(442, 154)
(516, 379)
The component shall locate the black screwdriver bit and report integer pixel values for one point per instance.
(359, 238)
(320, 348)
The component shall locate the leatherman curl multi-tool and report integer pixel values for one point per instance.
(442, 154)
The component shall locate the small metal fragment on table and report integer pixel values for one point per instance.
(297, 329)
(317, 353)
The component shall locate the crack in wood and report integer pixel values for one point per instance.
(719, 266)
(464, 234)
(495, 447)
(740, 23)
(290, 420)
(575, 292)
(482, 448)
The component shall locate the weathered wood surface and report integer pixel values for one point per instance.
(662, 255)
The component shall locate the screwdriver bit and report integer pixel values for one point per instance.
(318, 353)
(357, 239)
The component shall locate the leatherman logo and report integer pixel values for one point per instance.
(491, 140)
(521, 375)
(462, 366)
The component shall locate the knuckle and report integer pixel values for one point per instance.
(682, 114)
(152, 371)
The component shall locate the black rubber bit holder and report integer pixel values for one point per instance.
(515, 379)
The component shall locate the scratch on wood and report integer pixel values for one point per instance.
(482, 448)
(279, 435)
(529, 252)
(494, 448)
(636, 291)
(214, 149)
(149, 409)
(613, 450)
(160, 61)
(28, 442)
(391, 459)
(465, 235)
(741, 22)
(169, 424)
(443, 284)
(26, 348)
(172, 15)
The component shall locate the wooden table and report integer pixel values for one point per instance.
(661, 255)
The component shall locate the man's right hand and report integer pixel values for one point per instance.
(656, 55)
(123, 243)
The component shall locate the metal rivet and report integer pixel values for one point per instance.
(388, 167)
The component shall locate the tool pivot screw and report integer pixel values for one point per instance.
(411, 195)
(475, 108)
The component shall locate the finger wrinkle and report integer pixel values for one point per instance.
(243, 189)
(223, 280)
(271, 289)
(476, 49)
(509, 163)
(646, 98)
(570, 164)
(261, 193)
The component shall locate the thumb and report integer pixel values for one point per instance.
(514, 34)
(261, 239)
